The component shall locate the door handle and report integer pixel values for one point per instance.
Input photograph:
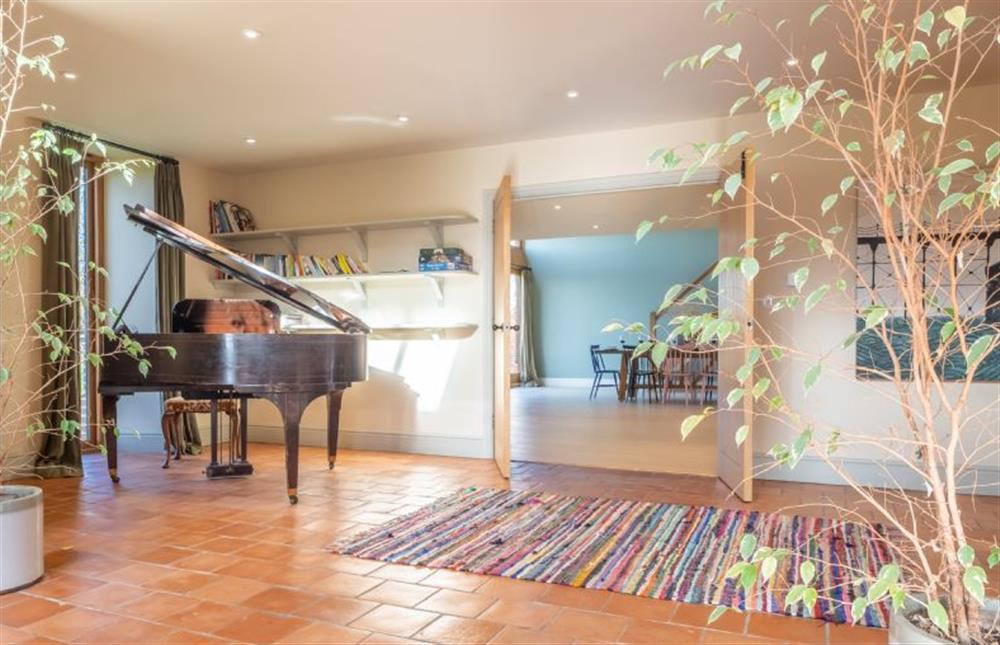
(506, 327)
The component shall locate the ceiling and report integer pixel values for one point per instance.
(611, 213)
(327, 80)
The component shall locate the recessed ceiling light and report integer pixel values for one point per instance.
(596, 226)
(252, 34)
(792, 62)
(572, 94)
(402, 118)
(557, 207)
(70, 76)
(250, 141)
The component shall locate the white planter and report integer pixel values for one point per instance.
(22, 553)
(903, 632)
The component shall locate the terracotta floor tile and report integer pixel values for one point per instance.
(206, 562)
(293, 577)
(398, 593)
(345, 584)
(697, 616)
(457, 603)
(348, 564)
(712, 637)
(109, 596)
(396, 621)
(452, 629)
(227, 589)
(181, 581)
(253, 569)
(849, 634)
(164, 555)
(591, 625)
(206, 616)
(126, 630)
(30, 610)
(182, 637)
(69, 625)
(457, 580)
(158, 605)
(336, 609)
(317, 633)
(520, 613)
(640, 607)
(784, 627)
(508, 589)
(385, 639)
(63, 586)
(224, 545)
(261, 627)
(522, 636)
(648, 631)
(137, 574)
(575, 597)
(280, 600)
(401, 573)
(266, 551)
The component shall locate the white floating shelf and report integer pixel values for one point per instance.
(361, 281)
(435, 224)
(406, 332)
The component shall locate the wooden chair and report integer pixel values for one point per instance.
(175, 407)
(676, 372)
(709, 377)
(600, 370)
(643, 375)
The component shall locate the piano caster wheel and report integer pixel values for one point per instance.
(331, 465)
(293, 496)
(114, 479)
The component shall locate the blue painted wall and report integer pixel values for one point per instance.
(583, 283)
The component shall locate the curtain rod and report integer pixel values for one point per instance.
(113, 144)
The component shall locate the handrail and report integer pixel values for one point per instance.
(654, 316)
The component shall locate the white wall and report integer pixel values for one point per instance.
(462, 180)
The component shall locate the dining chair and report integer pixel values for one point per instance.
(643, 376)
(600, 371)
(677, 374)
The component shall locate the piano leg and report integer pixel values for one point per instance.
(332, 424)
(109, 407)
(244, 414)
(292, 405)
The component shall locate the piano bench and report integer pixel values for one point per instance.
(175, 407)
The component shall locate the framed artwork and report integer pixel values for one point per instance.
(978, 289)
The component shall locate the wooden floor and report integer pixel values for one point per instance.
(563, 426)
(167, 556)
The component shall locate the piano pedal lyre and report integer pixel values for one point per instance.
(234, 462)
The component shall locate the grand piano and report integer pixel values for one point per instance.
(289, 370)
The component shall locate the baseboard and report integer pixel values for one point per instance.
(422, 444)
(566, 382)
(867, 472)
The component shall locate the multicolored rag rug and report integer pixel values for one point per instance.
(658, 550)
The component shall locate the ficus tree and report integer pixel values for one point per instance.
(875, 98)
(36, 351)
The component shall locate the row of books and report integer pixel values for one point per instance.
(305, 266)
(227, 217)
(444, 259)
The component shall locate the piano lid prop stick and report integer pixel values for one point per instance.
(135, 287)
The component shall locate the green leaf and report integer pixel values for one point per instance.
(828, 203)
(736, 137)
(717, 613)
(716, 6)
(749, 267)
(957, 166)
(955, 17)
(817, 62)
(994, 557)
(858, 608)
(690, 423)
(732, 184)
(947, 330)
(812, 375)
(846, 183)
(992, 151)
(768, 567)
(876, 314)
(966, 555)
(734, 396)
(930, 112)
(809, 598)
(807, 571)
(644, 227)
(709, 54)
(817, 12)
(612, 327)
(950, 201)
(965, 145)
(762, 84)
(815, 297)
(748, 544)
(977, 349)
(925, 22)
(918, 51)
(659, 353)
(799, 278)
(853, 146)
(974, 580)
(760, 387)
(938, 615)
(741, 434)
(737, 104)
(4, 375)
(733, 53)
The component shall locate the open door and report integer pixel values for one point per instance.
(736, 298)
(502, 326)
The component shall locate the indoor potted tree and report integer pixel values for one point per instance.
(903, 237)
(37, 349)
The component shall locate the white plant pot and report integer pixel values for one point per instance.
(903, 632)
(22, 553)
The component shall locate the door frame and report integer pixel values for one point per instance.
(708, 175)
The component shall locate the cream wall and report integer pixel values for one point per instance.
(410, 186)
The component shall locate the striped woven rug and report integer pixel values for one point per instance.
(658, 550)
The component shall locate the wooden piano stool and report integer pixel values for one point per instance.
(175, 407)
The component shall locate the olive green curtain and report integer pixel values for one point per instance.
(59, 454)
(170, 270)
(526, 359)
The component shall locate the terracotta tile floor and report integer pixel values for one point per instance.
(167, 556)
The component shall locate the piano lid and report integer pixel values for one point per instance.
(242, 269)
